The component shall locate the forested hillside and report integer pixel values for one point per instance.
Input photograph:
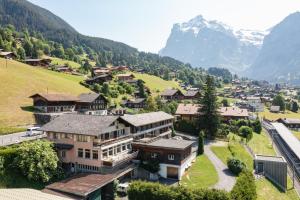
(63, 41)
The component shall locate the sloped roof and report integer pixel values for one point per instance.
(79, 124)
(3, 53)
(88, 97)
(234, 112)
(146, 118)
(27, 194)
(139, 100)
(187, 109)
(170, 92)
(56, 97)
(191, 93)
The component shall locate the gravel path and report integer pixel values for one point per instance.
(226, 178)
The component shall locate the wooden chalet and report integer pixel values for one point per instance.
(99, 79)
(172, 94)
(64, 69)
(125, 77)
(233, 113)
(135, 103)
(187, 112)
(192, 94)
(91, 102)
(8, 55)
(44, 62)
(97, 71)
(54, 103)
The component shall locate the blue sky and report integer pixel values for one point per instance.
(146, 24)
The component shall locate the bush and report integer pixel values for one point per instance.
(246, 132)
(256, 126)
(235, 165)
(244, 189)
(185, 126)
(151, 166)
(139, 190)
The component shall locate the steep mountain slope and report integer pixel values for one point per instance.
(19, 81)
(207, 44)
(279, 58)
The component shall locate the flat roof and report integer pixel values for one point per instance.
(288, 137)
(269, 158)
(171, 143)
(27, 194)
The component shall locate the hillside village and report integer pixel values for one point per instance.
(82, 124)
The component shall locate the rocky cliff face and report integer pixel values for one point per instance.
(207, 44)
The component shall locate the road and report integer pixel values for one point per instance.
(16, 138)
(226, 178)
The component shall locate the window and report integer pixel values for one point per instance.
(119, 149)
(128, 146)
(105, 153)
(54, 135)
(82, 138)
(123, 147)
(171, 156)
(110, 151)
(153, 155)
(95, 154)
(63, 154)
(87, 153)
(80, 153)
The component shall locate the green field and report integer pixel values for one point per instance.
(19, 81)
(157, 84)
(59, 61)
(261, 144)
(202, 174)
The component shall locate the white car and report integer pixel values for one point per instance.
(33, 131)
(122, 188)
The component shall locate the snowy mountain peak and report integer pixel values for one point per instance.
(199, 23)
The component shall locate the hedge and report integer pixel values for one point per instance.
(139, 190)
(186, 127)
(244, 189)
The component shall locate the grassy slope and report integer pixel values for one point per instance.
(19, 81)
(202, 174)
(155, 83)
(59, 61)
(265, 189)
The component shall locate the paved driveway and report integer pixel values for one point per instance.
(16, 138)
(226, 178)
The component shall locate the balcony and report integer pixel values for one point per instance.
(99, 142)
(152, 139)
(152, 129)
(119, 160)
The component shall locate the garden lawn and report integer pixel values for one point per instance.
(19, 81)
(202, 174)
(261, 144)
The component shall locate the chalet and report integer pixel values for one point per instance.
(125, 77)
(187, 112)
(233, 113)
(92, 103)
(291, 123)
(256, 103)
(99, 79)
(64, 69)
(8, 55)
(174, 156)
(54, 103)
(132, 82)
(192, 94)
(45, 62)
(138, 95)
(96, 71)
(135, 103)
(275, 109)
(172, 94)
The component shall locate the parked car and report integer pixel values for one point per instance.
(33, 131)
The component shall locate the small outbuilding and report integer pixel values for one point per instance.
(272, 167)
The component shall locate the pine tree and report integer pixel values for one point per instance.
(210, 119)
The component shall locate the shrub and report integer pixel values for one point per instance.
(245, 188)
(256, 126)
(139, 190)
(235, 165)
(151, 166)
(201, 143)
(185, 126)
(246, 132)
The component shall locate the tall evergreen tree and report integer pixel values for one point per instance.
(141, 87)
(210, 118)
(200, 143)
